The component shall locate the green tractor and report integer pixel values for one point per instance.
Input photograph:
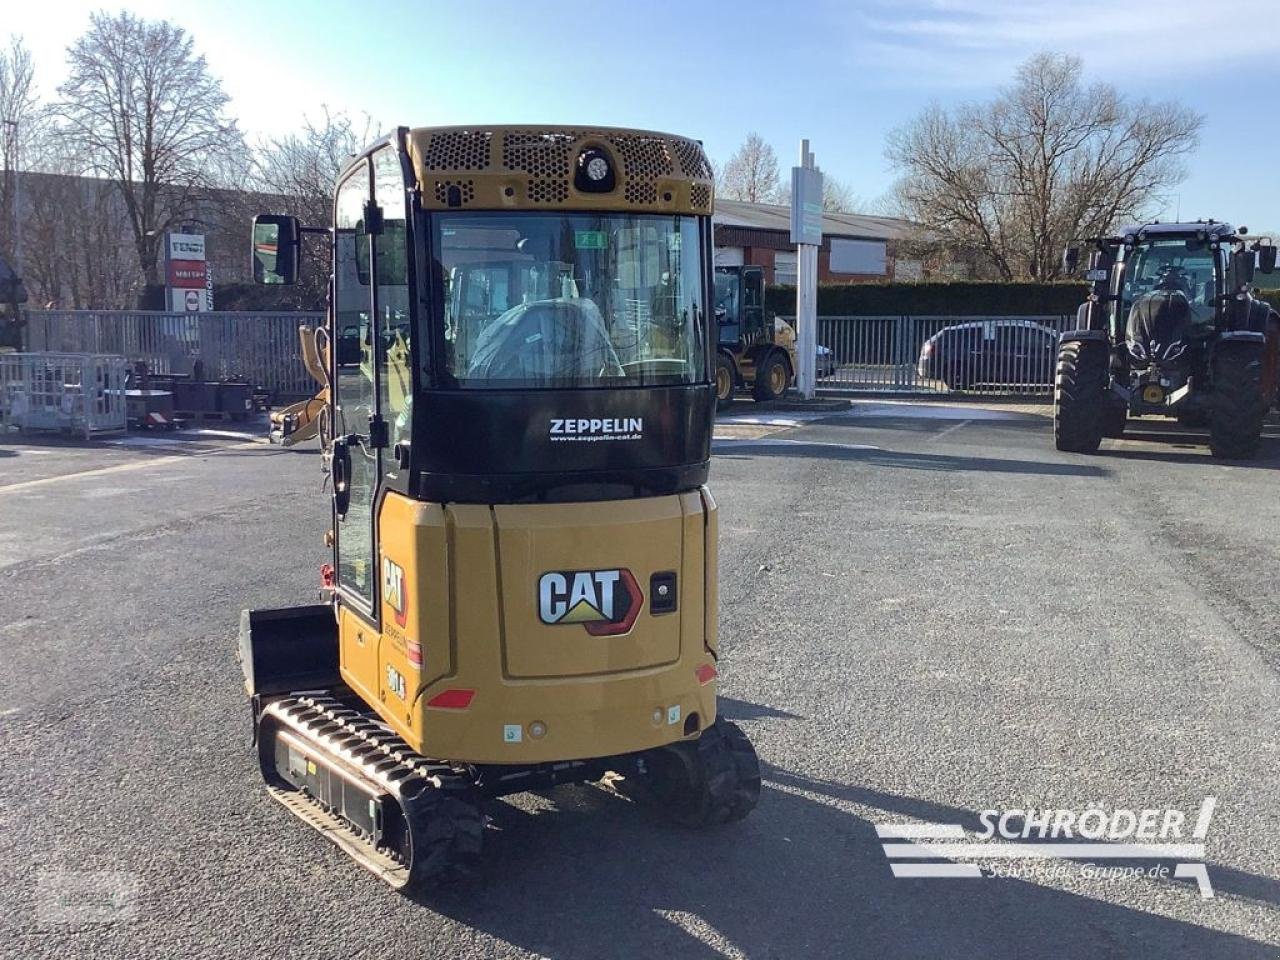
(1171, 328)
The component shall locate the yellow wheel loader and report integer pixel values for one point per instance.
(523, 585)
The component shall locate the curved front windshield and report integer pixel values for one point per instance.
(1183, 266)
(571, 300)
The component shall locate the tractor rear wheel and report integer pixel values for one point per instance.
(724, 381)
(1080, 396)
(1239, 408)
(772, 377)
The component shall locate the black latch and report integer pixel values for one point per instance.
(662, 592)
(378, 437)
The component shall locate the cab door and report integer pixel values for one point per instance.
(753, 329)
(357, 456)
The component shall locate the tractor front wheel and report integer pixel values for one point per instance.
(1239, 407)
(1080, 396)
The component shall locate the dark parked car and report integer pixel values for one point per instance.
(990, 352)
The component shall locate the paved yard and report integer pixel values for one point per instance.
(924, 616)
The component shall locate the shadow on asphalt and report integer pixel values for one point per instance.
(591, 875)
(1174, 438)
(748, 449)
(732, 709)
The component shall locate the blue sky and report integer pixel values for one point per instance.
(842, 74)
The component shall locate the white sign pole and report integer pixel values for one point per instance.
(806, 234)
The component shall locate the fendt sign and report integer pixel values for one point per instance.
(189, 286)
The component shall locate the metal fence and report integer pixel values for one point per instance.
(922, 354)
(64, 392)
(260, 347)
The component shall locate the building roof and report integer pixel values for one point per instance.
(773, 216)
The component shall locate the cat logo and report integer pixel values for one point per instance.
(605, 602)
(393, 594)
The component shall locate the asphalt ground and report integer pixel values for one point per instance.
(926, 612)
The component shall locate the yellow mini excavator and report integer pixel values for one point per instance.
(523, 584)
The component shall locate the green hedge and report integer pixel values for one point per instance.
(957, 299)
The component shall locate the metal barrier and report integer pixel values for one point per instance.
(920, 354)
(63, 392)
(260, 347)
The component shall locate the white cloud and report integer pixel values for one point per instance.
(974, 43)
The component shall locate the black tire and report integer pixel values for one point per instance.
(1239, 408)
(712, 780)
(773, 376)
(725, 379)
(1080, 395)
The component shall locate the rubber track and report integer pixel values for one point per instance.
(436, 798)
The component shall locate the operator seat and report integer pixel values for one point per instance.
(546, 340)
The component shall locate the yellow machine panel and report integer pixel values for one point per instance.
(523, 167)
(560, 603)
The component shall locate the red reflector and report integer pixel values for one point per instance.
(327, 578)
(452, 699)
(415, 653)
(705, 673)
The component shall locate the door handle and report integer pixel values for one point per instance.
(341, 471)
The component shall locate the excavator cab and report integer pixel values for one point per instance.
(522, 588)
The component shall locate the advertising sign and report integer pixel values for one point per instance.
(806, 205)
(189, 286)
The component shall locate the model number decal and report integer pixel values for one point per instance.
(395, 682)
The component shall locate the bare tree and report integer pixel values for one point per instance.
(1048, 161)
(751, 173)
(20, 112)
(77, 249)
(150, 118)
(838, 197)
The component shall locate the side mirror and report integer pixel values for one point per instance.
(1267, 258)
(1070, 259)
(276, 242)
(1242, 264)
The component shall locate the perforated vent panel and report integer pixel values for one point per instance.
(692, 160)
(467, 188)
(548, 191)
(644, 157)
(538, 154)
(641, 191)
(501, 168)
(458, 150)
